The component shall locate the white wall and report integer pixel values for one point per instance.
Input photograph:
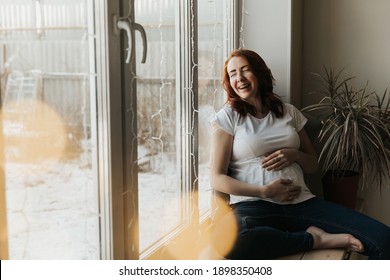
(266, 30)
(352, 33)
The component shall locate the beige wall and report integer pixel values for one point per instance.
(356, 34)
(269, 33)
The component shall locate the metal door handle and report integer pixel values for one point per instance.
(124, 25)
(141, 30)
(129, 26)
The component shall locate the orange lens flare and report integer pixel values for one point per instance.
(32, 132)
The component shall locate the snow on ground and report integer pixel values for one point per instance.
(52, 209)
(52, 212)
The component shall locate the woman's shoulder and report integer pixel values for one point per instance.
(226, 118)
(289, 106)
(227, 111)
(290, 109)
(295, 114)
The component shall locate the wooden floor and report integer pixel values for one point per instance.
(326, 254)
(323, 254)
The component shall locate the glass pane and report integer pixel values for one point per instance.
(159, 185)
(212, 21)
(49, 147)
(159, 188)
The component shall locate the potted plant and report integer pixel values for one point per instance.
(353, 137)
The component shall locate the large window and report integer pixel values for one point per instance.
(105, 127)
(47, 119)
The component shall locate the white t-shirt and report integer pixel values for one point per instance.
(253, 138)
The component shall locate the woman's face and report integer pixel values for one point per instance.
(242, 79)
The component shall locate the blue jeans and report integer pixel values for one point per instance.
(268, 230)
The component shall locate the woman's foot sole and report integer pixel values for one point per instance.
(324, 240)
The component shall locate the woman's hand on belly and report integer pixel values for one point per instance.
(281, 190)
(279, 159)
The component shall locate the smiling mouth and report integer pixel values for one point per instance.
(244, 86)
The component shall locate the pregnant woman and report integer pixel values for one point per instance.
(259, 155)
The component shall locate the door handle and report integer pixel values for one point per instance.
(124, 25)
(130, 27)
(141, 30)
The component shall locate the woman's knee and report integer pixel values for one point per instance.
(385, 250)
(377, 246)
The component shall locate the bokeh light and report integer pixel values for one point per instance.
(32, 132)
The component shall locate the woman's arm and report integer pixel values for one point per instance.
(279, 190)
(220, 156)
(305, 156)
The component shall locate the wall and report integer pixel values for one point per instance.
(266, 29)
(351, 33)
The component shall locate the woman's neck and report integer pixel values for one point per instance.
(261, 110)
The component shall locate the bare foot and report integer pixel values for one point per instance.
(325, 240)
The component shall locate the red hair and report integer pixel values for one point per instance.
(266, 85)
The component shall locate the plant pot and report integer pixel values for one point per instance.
(341, 187)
